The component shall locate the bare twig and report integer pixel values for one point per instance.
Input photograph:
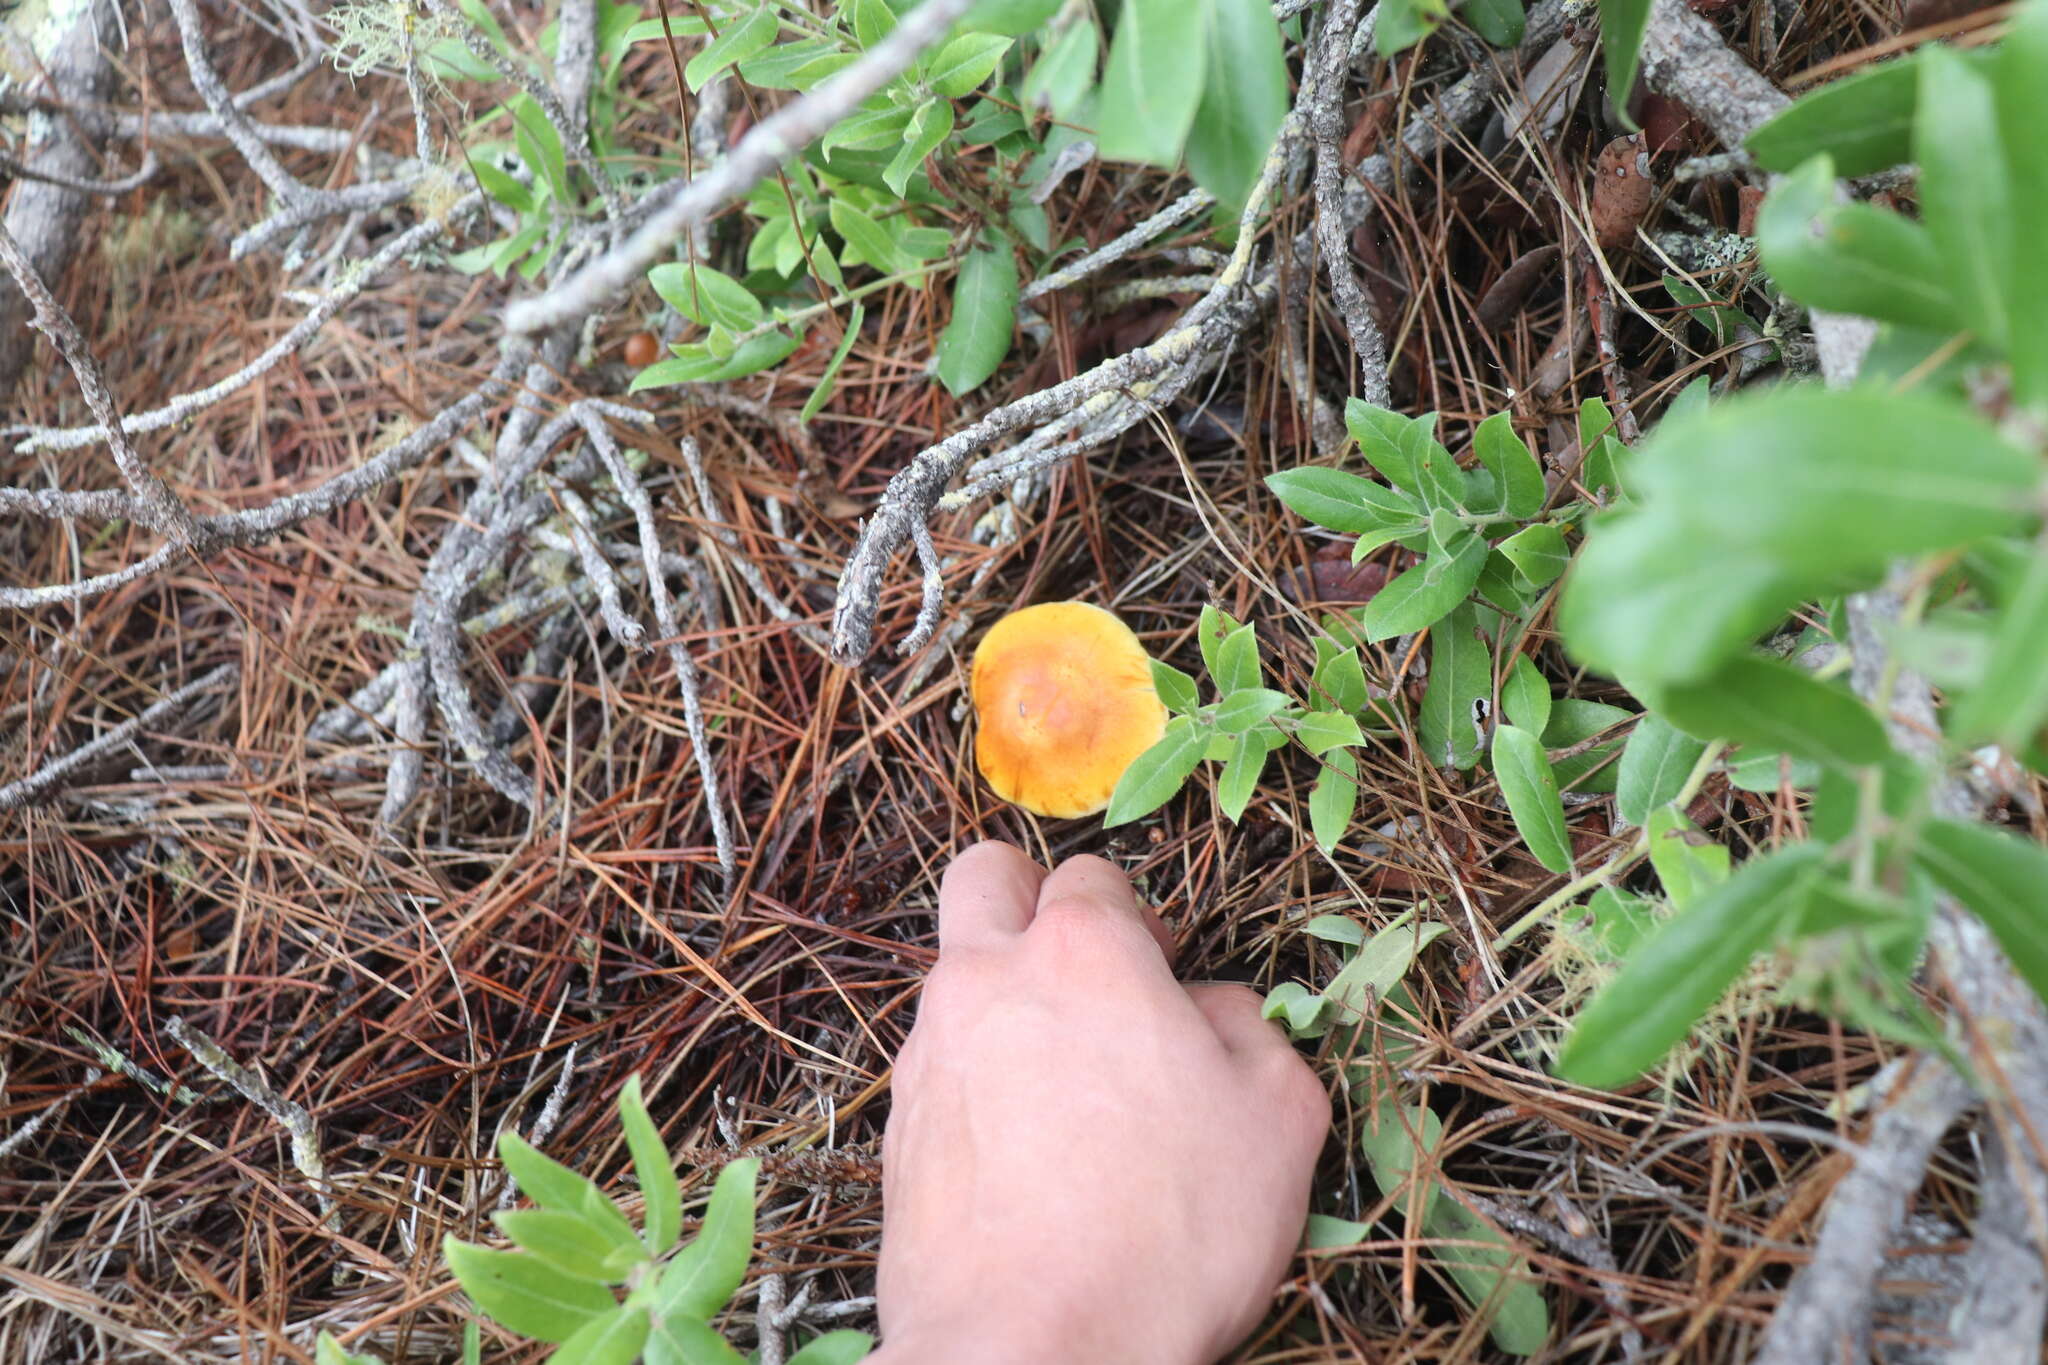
(48, 780)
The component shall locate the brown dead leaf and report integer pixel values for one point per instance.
(1622, 190)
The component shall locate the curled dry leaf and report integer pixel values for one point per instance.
(1503, 300)
(1622, 190)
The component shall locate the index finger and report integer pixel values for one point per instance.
(987, 895)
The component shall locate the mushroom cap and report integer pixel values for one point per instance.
(1063, 701)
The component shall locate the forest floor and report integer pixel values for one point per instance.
(418, 990)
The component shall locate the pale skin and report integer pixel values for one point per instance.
(1085, 1160)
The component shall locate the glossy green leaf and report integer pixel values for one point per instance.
(705, 1273)
(681, 1340)
(1755, 700)
(1674, 978)
(843, 1347)
(1151, 86)
(1863, 122)
(929, 126)
(613, 1338)
(2019, 78)
(1343, 501)
(2004, 881)
(1531, 791)
(1235, 664)
(1849, 257)
(1516, 475)
(1622, 23)
(1423, 595)
(1240, 776)
(663, 1217)
(965, 63)
(554, 1186)
(1965, 196)
(1240, 710)
(1157, 774)
(1064, 74)
(1176, 689)
(568, 1243)
(1537, 552)
(1320, 731)
(523, 1293)
(1245, 96)
(1338, 676)
(978, 335)
(821, 392)
(1654, 766)
(737, 42)
(1333, 798)
(1525, 696)
(1460, 677)
(1499, 22)
(1829, 482)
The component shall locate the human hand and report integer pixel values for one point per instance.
(1085, 1161)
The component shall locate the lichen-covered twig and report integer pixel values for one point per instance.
(293, 1118)
(1117, 248)
(676, 206)
(48, 780)
(1325, 108)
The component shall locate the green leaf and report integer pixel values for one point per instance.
(1621, 41)
(931, 125)
(680, 1340)
(1244, 98)
(1235, 665)
(1674, 978)
(1499, 22)
(874, 128)
(776, 68)
(1399, 1141)
(1492, 1275)
(1443, 483)
(1014, 18)
(501, 186)
(1240, 776)
(1175, 688)
(1320, 731)
(523, 1293)
(613, 1338)
(1572, 721)
(871, 20)
(1333, 798)
(1374, 972)
(1851, 258)
(1723, 322)
(663, 1216)
(822, 392)
(1155, 775)
(328, 1351)
(1832, 482)
(540, 146)
(1216, 626)
(977, 337)
(1343, 501)
(702, 1277)
(843, 1347)
(1516, 475)
(1688, 864)
(1525, 696)
(1864, 122)
(1381, 437)
(705, 296)
(698, 365)
(1303, 1013)
(1401, 24)
(1424, 594)
(1531, 791)
(1537, 552)
(736, 43)
(1248, 707)
(1335, 929)
(568, 1243)
(2019, 78)
(1460, 676)
(1338, 676)
(554, 1186)
(1063, 76)
(2011, 703)
(873, 243)
(965, 63)
(1767, 770)
(2000, 877)
(1654, 766)
(1755, 700)
(1965, 197)
(1150, 88)
(1616, 921)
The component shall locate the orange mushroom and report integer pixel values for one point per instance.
(1063, 701)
